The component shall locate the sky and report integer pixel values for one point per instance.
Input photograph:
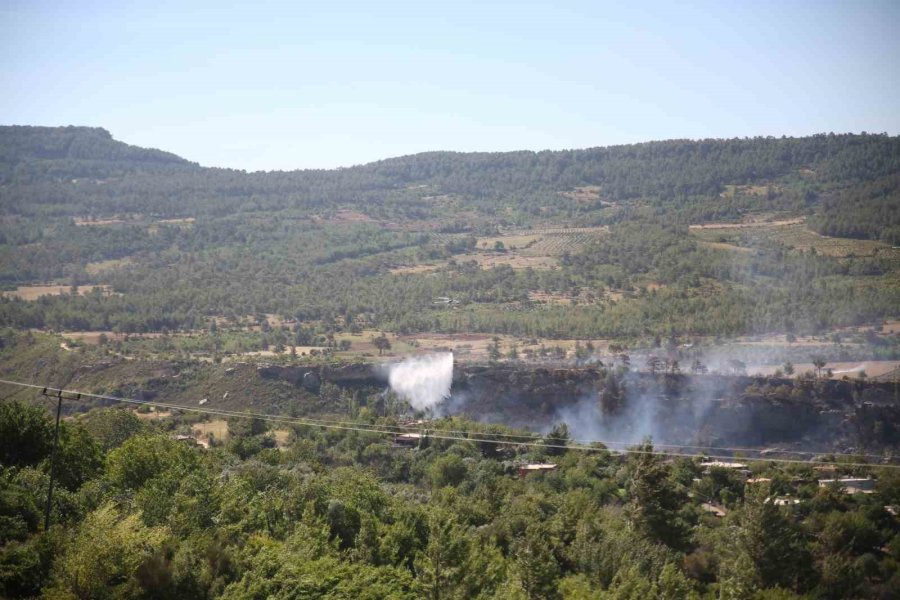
(287, 85)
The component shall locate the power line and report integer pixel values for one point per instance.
(518, 438)
(535, 436)
(433, 434)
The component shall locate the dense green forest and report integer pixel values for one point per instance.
(346, 514)
(178, 244)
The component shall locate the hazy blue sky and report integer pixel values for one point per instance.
(281, 85)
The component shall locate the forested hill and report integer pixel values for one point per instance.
(713, 237)
(34, 153)
(665, 168)
(76, 171)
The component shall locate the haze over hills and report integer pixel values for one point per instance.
(720, 298)
(663, 249)
(528, 317)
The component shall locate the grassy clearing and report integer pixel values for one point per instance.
(514, 259)
(891, 326)
(802, 239)
(522, 249)
(724, 246)
(584, 194)
(580, 297)
(153, 415)
(361, 344)
(537, 249)
(96, 268)
(872, 368)
(217, 427)
(33, 292)
(748, 190)
(474, 346)
(509, 241)
(92, 338)
(422, 268)
(467, 347)
(299, 350)
(282, 438)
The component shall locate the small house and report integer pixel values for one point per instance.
(407, 440)
(524, 470)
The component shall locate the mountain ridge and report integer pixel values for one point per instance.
(14, 134)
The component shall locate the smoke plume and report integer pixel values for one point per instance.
(423, 381)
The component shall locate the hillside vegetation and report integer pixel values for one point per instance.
(374, 246)
(134, 273)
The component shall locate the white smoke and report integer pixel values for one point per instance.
(860, 367)
(423, 381)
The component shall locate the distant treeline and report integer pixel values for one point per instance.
(82, 171)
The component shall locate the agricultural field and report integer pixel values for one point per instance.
(743, 237)
(538, 249)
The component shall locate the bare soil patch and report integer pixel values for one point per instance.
(153, 415)
(413, 269)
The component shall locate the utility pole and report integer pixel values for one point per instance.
(59, 399)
